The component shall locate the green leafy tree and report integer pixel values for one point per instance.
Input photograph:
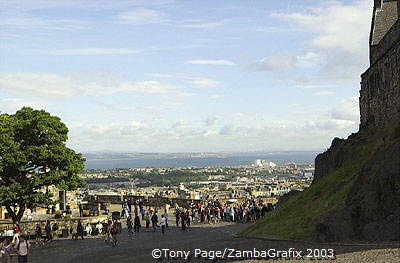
(33, 155)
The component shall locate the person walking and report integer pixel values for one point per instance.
(54, 229)
(177, 216)
(129, 226)
(114, 230)
(73, 229)
(136, 225)
(163, 224)
(166, 217)
(147, 220)
(17, 232)
(129, 203)
(88, 229)
(187, 217)
(80, 209)
(79, 230)
(38, 236)
(5, 251)
(47, 229)
(183, 221)
(142, 212)
(99, 227)
(108, 236)
(22, 248)
(154, 221)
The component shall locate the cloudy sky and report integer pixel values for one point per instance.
(188, 76)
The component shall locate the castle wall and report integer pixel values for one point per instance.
(380, 84)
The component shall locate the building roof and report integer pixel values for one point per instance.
(384, 19)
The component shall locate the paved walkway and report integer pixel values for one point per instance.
(216, 237)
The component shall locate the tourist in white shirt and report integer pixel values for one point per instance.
(22, 248)
(88, 229)
(166, 217)
(99, 227)
(163, 223)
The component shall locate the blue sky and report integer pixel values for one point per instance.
(188, 76)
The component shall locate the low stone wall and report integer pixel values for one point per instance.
(28, 227)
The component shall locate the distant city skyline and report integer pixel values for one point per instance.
(188, 76)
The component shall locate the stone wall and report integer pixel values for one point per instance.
(380, 85)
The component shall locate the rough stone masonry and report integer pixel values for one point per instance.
(380, 85)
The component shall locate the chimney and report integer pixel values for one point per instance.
(378, 4)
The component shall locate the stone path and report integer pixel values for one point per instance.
(139, 247)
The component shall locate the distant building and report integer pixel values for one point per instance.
(268, 164)
(264, 163)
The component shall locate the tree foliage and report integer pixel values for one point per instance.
(33, 155)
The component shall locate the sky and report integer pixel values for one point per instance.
(188, 76)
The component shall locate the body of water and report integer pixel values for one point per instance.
(301, 158)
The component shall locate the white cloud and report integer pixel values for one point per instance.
(335, 25)
(307, 87)
(92, 51)
(154, 87)
(216, 96)
(142, 16)
(37, 84)
(172, 104)
(210, 121)
(324, 93)
(272, 29)
(228, 130)
(27, 5)
(200, 82)
(309, 130)
(309, 56)
(218, 62)
(159, 75)
(206, 25)
(336, 125)
(27, 22)
(347, 110)
(204, 82)
(279, 62)
(337, 32)
(52, 85)
(11, 105)
(179, 124)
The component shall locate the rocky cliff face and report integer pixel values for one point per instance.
(371, 211)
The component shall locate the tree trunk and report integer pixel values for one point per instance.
(16, 217)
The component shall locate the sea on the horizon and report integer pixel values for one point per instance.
(280, 158)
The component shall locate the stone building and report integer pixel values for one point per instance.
(380, 84)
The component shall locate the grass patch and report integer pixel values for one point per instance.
(297, 217)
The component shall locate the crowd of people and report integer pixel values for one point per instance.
(140, 213)
(211, 212)
(208, 212)
(135, 213)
